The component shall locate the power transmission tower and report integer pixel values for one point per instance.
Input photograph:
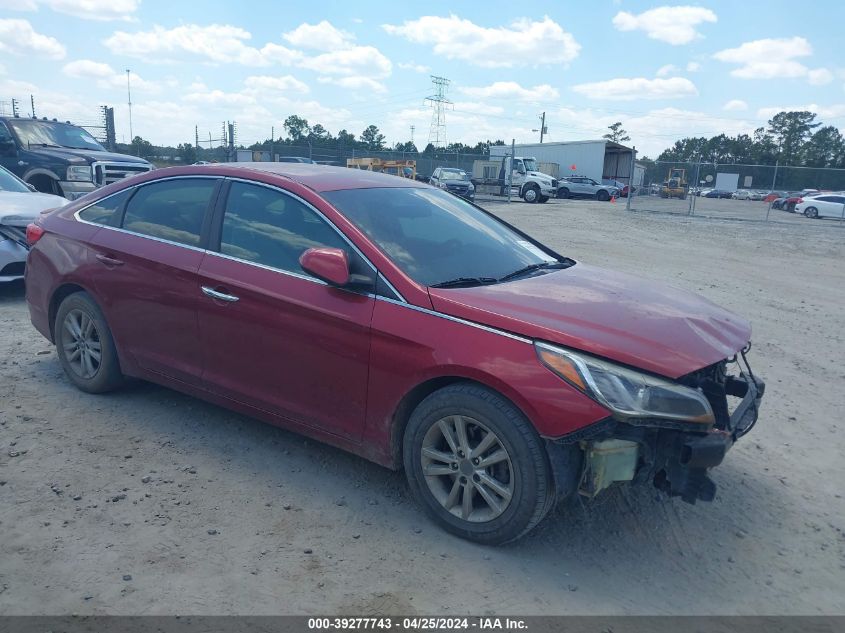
(15, 108)
(438, 101)
(413, 127)
(32, 103)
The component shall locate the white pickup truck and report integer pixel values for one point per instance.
(533, 185)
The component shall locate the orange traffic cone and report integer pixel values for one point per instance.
(612, 199)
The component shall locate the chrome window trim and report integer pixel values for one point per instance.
(392, 288)
(449, 317)
(266, 267)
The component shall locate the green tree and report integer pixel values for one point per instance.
(617, 134)
(407, 146)
(319, 134)
(826, 148)
(345, 139)
(790, 130)
(296, 127)
(141, 147)
(187, 152)
(372, 138)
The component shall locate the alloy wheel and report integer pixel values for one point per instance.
(467, 468)
(81, 344)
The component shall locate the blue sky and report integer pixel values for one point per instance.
(664, 70)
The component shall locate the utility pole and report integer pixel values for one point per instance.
(32, 105)
(542, 126)
(438, 101)
(631, 179)
(510, 171)
(412, 134)
(14, 107)
(197, 136)
(129, 100)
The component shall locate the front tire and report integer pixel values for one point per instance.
(476, 465)
(811, 212)
(85, 345)
(531, 194)
(563, 192)
(543, 199)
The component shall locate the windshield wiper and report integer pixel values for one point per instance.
(531, 268)
(42, 145)
(465, 281)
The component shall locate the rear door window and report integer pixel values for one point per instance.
(171, 210)
(270, 228)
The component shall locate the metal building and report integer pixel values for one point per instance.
(599, 160)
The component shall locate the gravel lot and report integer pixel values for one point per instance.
(150, 502)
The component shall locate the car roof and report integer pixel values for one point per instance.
(317, 177)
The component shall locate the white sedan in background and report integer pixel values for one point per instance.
(19, 205)
(826, 205)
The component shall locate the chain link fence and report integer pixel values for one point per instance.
(731, 191)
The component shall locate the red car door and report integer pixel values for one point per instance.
(148, 275)
(273, 336)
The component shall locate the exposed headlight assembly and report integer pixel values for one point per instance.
(80, 173)
(626, 392)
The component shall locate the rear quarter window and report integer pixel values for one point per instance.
(106, 211)
(171, 210)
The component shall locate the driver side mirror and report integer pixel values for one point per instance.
(7, 147)
(332, 266)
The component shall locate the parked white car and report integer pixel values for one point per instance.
(828, 205)
(741, 194)
(757, 195)
(19, 205)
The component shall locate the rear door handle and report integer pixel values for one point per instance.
(221, 296)
(109, 261)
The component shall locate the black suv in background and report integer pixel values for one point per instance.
(61, 158)
(454, 181)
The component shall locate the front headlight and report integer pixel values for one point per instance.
(471, 187)
(626, 392)
(79, 173)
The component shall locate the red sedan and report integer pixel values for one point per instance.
(400, 322)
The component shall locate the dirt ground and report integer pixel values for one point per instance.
(150, 502)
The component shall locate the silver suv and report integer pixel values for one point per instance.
(583, 187)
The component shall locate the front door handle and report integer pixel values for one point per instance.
(222, 296)
(109, 261)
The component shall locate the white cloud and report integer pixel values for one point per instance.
(524, 43)
(774, 58)
(417, 68)
(17, 37)
(101, 10)
(629, 89)
(510, 90)
(106, 76)
(322, 37)
(693, 67)
(363, 61)
(668, 69)
(222, 43)
(819, 77)
(735, 105)
(674, 25)
(355, 82)
(825, 113)
(263, 83)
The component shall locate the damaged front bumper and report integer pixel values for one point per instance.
(674, 456)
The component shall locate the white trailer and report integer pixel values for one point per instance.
(599, 160)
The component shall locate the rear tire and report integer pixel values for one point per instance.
(476, 465)
(85, 345)
(602, 196)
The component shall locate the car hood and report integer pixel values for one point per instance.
(19, 209)
(539, 174)
(644, 324)
(90, 156)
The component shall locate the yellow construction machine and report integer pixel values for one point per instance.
(401, 168)
(675, 185)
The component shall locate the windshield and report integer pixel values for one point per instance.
(530, 164)
(50, 133)
(453, 174)
(8, 182)
(436, 237)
